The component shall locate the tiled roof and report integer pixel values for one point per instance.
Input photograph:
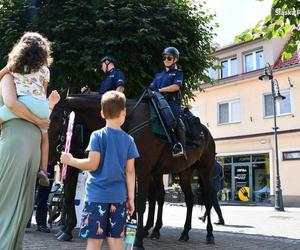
(295, 59)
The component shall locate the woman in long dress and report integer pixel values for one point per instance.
(19, 163)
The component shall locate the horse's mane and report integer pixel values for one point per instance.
(85, 97)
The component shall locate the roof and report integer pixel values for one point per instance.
(295, 59)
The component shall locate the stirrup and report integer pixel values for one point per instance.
(178, 151)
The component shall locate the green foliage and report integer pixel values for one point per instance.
(283, 20)
(133, 31)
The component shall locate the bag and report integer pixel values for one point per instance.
(165, 110)
(193, 125)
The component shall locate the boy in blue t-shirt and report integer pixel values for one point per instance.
(110, 185)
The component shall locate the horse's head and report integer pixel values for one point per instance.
(87, 119)
(58, 128)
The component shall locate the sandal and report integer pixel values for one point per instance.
(43, 179)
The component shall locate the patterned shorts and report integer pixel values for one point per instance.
(101, 220)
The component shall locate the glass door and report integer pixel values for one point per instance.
(242, 182)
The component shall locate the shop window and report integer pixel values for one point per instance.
(291, 155)
(260, 157)
(261, 182)
(241, 158)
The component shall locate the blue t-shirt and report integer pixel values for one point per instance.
(167, 78)
(113, 80)
(108, 183)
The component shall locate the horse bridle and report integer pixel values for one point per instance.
(62, 134)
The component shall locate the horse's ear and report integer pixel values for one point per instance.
(64, 94)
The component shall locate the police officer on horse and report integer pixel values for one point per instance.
(168, 83)
(114, 80)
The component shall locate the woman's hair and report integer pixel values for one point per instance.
(30, 53)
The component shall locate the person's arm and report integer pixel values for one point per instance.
(177, 82)
(120, 89)
(4, 71)
(120, 81)
(171, 88)
(10, 100)
(45, 85)
(53, 99)
(91, 163)
(130, 181)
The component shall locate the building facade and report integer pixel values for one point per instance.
(238, 111)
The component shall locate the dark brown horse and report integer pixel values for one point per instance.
(157, 195)
(156, 157)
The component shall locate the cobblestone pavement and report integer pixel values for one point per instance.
(246, 228)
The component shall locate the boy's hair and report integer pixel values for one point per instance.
(30, 53)
(112, 103)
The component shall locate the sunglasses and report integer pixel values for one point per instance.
(169, 58)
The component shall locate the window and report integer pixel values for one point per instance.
(254, 60)
(229, 112)
(282, 107)
(229, 67)
(291, 155)
(210, 73)
(195, 111)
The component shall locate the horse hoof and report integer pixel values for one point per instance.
(138, 248)
(210, 240)
(155, 235)
(184, 238)
(65, 237)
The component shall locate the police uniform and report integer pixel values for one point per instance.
(113, 80)
(168, 78)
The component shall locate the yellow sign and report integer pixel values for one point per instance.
(244, 193)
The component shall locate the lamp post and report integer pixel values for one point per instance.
(276, 96)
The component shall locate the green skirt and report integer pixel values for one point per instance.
(19, 163)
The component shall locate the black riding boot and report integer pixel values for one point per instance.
(179, 148)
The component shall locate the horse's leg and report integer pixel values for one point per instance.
(69, 194)
(206, 168)
(143, 186)
(185, 183)
(151, 208)
(160, 198)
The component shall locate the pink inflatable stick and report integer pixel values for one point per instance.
(68, 142)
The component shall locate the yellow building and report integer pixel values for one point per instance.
(238, 110)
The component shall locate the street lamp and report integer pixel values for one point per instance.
(268, 76)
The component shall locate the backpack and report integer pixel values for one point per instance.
(193, 125)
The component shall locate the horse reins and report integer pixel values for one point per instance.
(142, 125)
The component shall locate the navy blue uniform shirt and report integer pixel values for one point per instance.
(113, 80)
(218, 177)
(167, 78)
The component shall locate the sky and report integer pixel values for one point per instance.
(235, 16)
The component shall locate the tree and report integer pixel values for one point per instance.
(283, 20)
(133, 31)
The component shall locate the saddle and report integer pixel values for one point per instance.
(193, 127)
(192, 124)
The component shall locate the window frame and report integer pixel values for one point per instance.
(253, 53)
(229, 111)
(228, 60)
(284, 158)
(277, 104)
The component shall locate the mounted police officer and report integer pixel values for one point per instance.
(114, 80)
(168, 83)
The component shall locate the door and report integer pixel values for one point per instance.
(242, 182)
